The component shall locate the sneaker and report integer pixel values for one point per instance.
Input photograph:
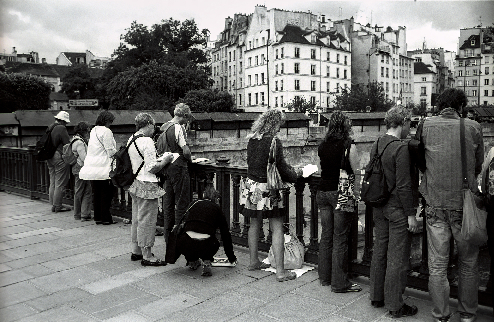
(206, 268)
(405, 310)
(467, 317)
(194, 265)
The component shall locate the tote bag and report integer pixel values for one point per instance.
(274, 181)
(346, 186)
(293, 254)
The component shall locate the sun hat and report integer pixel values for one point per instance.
(63, 116)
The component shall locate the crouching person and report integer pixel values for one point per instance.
(199, 241)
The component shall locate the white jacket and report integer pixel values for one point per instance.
(101, 148)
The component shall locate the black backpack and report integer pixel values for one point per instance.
(374, 191)
(45, 149)
(121, 174)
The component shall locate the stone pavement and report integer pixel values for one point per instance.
(54, 268)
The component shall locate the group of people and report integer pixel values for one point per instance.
(395, 221)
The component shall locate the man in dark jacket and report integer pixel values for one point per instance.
(394, 220)
(58, 170)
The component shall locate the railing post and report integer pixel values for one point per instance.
(369, 235)
(32, 173)
(299, 210)
(314, 218)
(236, 197)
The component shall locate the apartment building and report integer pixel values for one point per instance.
(271, 57)
(474, 65)
(380, 55)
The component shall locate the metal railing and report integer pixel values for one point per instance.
(22, 174)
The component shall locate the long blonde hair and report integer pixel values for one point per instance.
(267, 123)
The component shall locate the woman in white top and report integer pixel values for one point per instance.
(101, 148)
(145, 190)
(82, 188)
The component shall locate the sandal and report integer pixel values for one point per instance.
(289, 276)
(349, 289)
(258, 266)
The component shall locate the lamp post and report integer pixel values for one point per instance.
(267, 63)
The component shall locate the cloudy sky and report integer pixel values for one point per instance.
(53, 26)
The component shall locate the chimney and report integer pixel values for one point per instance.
(323, 18)
(14, 52)
(43, 60)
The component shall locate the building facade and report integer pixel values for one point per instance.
(380, 55)
(474, 65)
(425, 85)
(273, 57)
(87, 58)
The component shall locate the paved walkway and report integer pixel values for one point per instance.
(54, 268)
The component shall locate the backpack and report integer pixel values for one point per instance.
(121, 174)
(489, 193)
(374, 191)
(45, 149)
(68, 155)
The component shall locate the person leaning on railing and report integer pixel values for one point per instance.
(333, 246)
(257, 201)
(97, 165)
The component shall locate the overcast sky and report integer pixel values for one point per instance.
(53, 26)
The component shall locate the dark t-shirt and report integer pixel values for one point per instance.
(330, 154)
(59, 136)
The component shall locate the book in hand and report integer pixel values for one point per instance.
(223, 262)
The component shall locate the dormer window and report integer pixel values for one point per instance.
(472, 42)
(313, 39)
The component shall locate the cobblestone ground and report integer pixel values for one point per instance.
(54, 268)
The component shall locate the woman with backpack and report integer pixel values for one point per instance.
(83, 191)
(97, 165)
(144, 190)
(333, 246)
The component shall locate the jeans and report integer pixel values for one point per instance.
(441, 226)
(177, 196)
(103, 195)
(390, 258)
(59, 172)
(193, 249)
(82, 198)
(144, 213)
(333, 246)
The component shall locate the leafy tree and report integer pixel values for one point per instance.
(23, 92)
(208, 100)
(299, 104)
(154, 86)
(358, 99)
(78, 82)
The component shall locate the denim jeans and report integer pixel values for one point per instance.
(333, 246)
(82, 198)
(390, 258)
(144, 213)
(59, 172)
(441, 226)
(193, 249)
(177, 196)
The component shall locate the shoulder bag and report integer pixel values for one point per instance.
(346, 184)
(274, 181)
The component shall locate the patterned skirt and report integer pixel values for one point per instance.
(257, 201)
(146, 189)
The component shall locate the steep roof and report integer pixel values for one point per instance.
(32, 69)
(421, 68)
(294, 34)
(468, 43)
(71, 56)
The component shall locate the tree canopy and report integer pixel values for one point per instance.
(77, 83)
(358, 99)
(299, 104)
(208, 100)
(23, 92)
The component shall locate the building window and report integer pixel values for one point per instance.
(257, 98)
(467, 73)
(312, 69)
(475, 72)
(297, 52)
(486, 92)
(486, 81)
(387, 72)
(313, 39)
(282, 53)
(313, 52)
(424, 79)
(327, 71)
(337, 58)
(297, 85)
(460, 73)
(460, 63)
(313, 100)
(250, 47)
(313, 85)
(262, 98)
(262, 59)
(240, 71)
(262, 78)
(263, 41)
(276, 69)
(337, 73)
(282, 68)
(382, 71)
(474, 92)
(281, 101)
(276, 53)
(257, 79)
(327, 87)
(296, 68)
(276, 85)
(346, 61)
(328, 101)
(257, 60)
(276, 102)
(474, 62)
(344, 74)
(249, 80)
(486, 59)
(423, 102)
(240, 99)
(230, 56)
(487, 71)
(250, 99)
(337, 87)
(474, 82)
(250, 61)
(328, 56)
(423, 91)
(281, 85)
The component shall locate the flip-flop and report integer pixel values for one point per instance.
(288, 277)
(258, 266)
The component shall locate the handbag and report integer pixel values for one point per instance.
(172, 253)
(473, 227)
(293, 254)
(346, 185)
(274, 181)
